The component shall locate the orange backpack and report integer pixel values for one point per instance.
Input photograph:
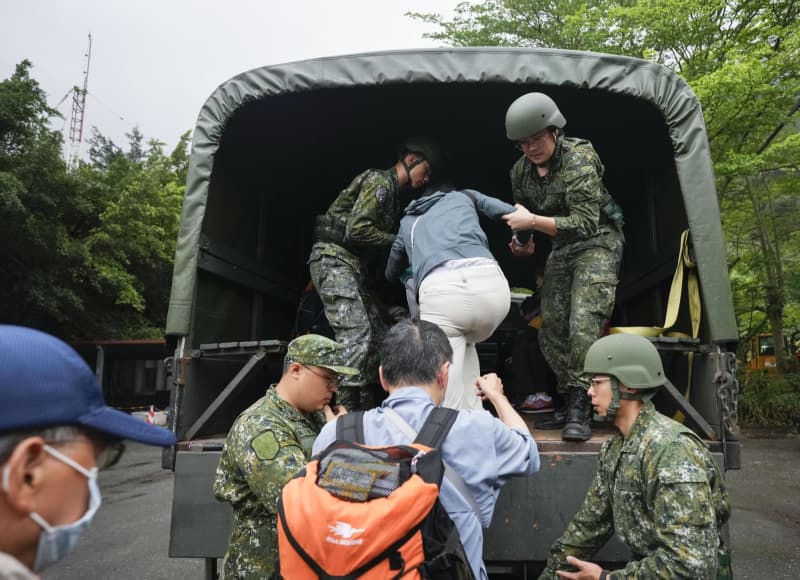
(371, 512)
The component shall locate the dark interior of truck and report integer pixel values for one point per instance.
(284, 159)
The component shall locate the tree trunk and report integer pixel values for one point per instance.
(772, 266)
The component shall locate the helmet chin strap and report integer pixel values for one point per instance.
(639, 395)
(613, 406)
(408, 167)
(408, 170)
(617, 396)
(556, 133)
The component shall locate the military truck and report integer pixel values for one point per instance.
(274, 146)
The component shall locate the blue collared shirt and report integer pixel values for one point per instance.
(479, 447)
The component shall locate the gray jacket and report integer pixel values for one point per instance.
(445, 227)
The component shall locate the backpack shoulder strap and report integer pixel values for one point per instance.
(436, 427)
(432, 434)
(350, 427)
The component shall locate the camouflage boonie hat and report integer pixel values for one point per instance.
(319, 351)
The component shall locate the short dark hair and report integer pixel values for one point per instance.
(56, 435)
(413, 352)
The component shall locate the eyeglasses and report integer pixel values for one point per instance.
(333, 381)
(537, 140)
(110, 454)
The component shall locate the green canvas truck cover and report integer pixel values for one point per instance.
(598, 73)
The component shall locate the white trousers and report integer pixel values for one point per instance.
(468, 304)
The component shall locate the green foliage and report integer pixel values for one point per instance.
(102, 151)
(134, 245)
(742, 59)
(532, 23)
(40, 208)
(770, 399)
(23, 112)
(86, 253)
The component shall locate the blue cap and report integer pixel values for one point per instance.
(45, 383)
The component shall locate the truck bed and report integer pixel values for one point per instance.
(538, 505)
(548, 441)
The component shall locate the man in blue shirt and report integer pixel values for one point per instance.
(483, 450)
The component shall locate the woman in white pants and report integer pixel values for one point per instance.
(460, 286)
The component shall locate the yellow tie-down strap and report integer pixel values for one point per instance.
(673, 306)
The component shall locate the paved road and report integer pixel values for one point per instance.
(765, 493)
(130, 534)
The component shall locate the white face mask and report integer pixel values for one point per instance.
(56, 542)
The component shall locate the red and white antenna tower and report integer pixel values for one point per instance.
(78, 109)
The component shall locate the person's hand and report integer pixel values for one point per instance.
(521, 219)
(586, 570)
(521, 251)
(489, 387)
(331, 414)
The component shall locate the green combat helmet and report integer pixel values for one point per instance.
(424, 148)
(531, 113)
(628, 359)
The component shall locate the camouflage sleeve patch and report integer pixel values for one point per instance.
(271, 459)
(265, 446)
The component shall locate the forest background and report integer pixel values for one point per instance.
(72, 268)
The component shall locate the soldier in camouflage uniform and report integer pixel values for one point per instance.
(358, 225)
(268, 443)
(657, 486)
(560, 179)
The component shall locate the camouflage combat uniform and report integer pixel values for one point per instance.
(267, 445)
(580, 276)
(663, 495)
(358, 225)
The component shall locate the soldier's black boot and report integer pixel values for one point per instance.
(579, 417)
(557, 421)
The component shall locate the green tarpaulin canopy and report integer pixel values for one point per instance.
(579, 71)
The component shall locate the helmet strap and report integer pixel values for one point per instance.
(613, 407)
(409, 166)
(556, 133)
(638, 395)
